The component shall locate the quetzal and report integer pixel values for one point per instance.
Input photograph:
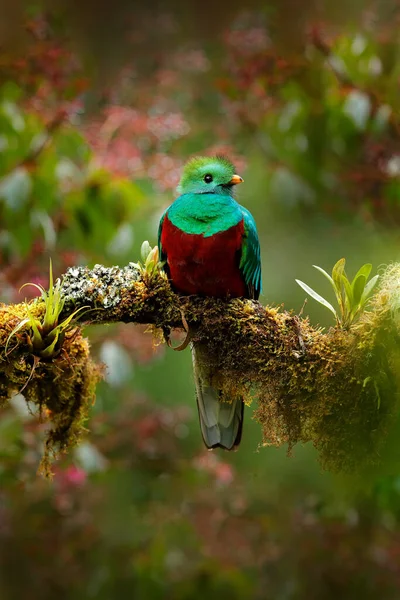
(210, 247)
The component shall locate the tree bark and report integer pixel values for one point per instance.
(336, 388)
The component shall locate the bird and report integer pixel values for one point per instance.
(209, 246)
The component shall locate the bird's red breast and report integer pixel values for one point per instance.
(206, 266)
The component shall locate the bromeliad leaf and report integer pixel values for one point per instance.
(368, 289)
(338, 271)
(358, 286)
(364, 270)
(360, 281)
(348, 295)
(145, 251)
(316, 296)
(351, 297)
(17, 328)
(337, 274)
(45, 335)
(150, 263)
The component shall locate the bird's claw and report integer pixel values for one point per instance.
(187, 339)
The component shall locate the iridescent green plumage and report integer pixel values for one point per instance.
(192, 179)
(207, 209)
(250, 262)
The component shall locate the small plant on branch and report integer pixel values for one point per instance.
(351, 296)
(150, 264)
(45, 335)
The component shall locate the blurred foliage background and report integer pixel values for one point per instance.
(100, 105)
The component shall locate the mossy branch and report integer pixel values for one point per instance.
(338, 389)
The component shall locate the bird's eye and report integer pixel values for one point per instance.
(208, 178)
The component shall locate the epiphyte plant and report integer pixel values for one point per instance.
(351, 296)
(45, 335)
(150, 263)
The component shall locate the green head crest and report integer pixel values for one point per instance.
(208, 174)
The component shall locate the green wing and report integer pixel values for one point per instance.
(163, 256)
(250, 261)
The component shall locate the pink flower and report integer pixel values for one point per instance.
(74, 476)
(224, 473)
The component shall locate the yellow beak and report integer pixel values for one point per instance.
(236, 179)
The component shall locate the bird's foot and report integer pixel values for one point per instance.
(187, 339)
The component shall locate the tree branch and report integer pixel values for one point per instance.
(338, 389)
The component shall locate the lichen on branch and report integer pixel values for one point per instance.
(336, 388)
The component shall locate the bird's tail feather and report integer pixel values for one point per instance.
(221, 421)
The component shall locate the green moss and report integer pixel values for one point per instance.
(62, 388)
(337, 389)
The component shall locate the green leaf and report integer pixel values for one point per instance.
(364, 270)
(359, 282)
(34, 325)
(49, 350)
(145, 251)
(335, 289)
(329, 278)
(38, 287)
(316, 296)
(348, 292)
(15, 330)
(65, 324)
(48, 315)
(358, 287)
(368, 289)
(152, 259)
(337, 272)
